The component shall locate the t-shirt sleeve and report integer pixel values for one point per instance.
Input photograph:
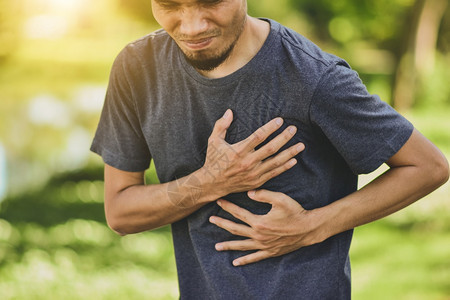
(365, 130)
(119, 139)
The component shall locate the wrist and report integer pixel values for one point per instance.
(209, 186)
(319, 225)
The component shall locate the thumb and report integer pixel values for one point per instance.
(221, 125)
(265, 196)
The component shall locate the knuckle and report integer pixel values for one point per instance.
(232, 155)
(258, 237)
(218, 126)
(272, 252)
(244, 165)
(253, 176)
(273, 173)
(260, 226)
(242, 247)
(211, 140)
(232, 230)
(293, 151)
(276, 163)
(258, 136)
(270, 148)
(287, 134)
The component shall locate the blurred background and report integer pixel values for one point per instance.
(55, 57)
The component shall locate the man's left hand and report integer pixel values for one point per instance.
(285, 228)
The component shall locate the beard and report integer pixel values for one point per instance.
(205, 62)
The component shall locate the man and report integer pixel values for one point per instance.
(257, 137)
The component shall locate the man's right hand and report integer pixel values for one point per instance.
(231, 168)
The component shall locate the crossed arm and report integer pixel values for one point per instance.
(131, 206)
(416, 170)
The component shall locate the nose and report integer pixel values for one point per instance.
(193, 22)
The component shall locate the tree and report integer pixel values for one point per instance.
(10, 18)
(418, 57)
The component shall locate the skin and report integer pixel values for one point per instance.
(205, 29)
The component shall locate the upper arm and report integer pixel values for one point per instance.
(419, 152)
(364, 130)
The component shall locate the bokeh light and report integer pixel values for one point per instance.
(55, 58)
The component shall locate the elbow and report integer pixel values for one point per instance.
(121, 225)
(445, 172)
(439, 171)
(116, 222)
(116, 226)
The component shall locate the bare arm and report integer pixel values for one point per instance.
(416, 170)
(131, 206)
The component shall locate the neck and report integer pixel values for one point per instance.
(248, 45)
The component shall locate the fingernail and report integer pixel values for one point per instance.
(226, 114)
(219, 202)
(279, 121)
(236, 263)
(292, 129)
(300, 148)
(219, 247)
(251, 193)
(293, 162)
(212, 220)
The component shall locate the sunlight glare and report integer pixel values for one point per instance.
(52, 18)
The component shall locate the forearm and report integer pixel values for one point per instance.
(385, 195)
(141, 207)
(389, 193)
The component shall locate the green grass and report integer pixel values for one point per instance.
(391, 261)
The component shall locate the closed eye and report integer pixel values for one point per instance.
(167, 4)
(211, 2)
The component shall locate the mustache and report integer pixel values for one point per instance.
(202, 35)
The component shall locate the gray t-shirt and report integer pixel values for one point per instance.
(158, 107)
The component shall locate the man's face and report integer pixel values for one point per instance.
(205, 30)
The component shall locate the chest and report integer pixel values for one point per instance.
(178, 122)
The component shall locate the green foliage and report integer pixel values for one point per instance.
(140, 9)
(10, 18)
(54, 241)
(54, 244)
(402, 259)
(435, 87)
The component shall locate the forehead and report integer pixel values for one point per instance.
(188, 1)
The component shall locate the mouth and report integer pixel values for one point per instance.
(197, 44)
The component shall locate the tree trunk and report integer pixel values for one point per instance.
(418, 58)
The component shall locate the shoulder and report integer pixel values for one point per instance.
(303, 51)
(146, 48)
(158, 39)
(144, 56)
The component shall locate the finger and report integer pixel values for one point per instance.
(237, 212)
(261, 134)
(222, 124)
(275, 144)
(232, 227)
(251, 258)
(275, 172)
(239, 245)
(266, 196)
(280, 159)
